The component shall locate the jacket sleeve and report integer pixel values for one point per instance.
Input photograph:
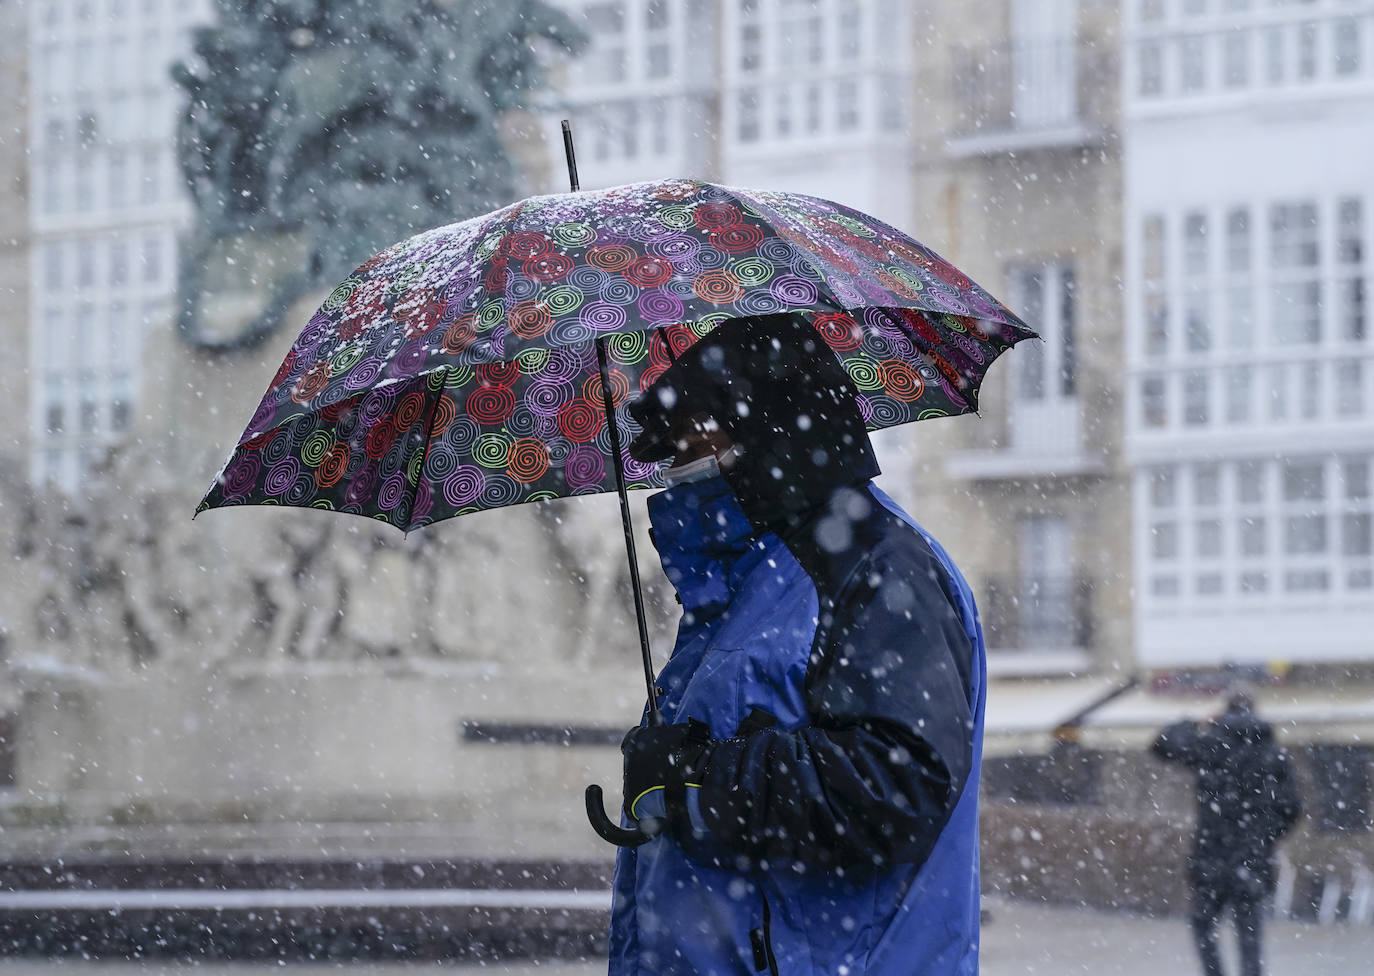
(1180, 742)
(875, 776)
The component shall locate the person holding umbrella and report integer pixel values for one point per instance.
(810, 801)
(812, 797)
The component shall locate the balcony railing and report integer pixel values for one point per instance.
(1038, 612)
(1021, 87)
(1032, 438)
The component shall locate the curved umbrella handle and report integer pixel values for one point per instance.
(613, 833)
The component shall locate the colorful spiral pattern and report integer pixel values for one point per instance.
(457, 370)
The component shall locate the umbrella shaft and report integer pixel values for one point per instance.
(654, 717)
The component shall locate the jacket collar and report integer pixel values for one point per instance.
(701, 533)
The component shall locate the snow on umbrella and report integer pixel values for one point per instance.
(458, 370)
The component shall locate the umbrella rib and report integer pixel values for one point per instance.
(424, 458)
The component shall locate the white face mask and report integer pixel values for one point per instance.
(700, 469)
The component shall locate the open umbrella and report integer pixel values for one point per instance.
(489, 363)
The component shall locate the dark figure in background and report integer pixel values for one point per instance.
(1247, 799)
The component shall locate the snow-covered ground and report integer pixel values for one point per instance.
(1018, 940)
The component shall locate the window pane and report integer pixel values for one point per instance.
(1252, 537)
(1195, 405)
(1350, 309)
(1250, 481)
(1192, 63)
(1297, 312)
(1237, 59)
(1355, 534)
(1153, 406)
(659, 60)
(1196, 330)
(1350, 388)
(117, 333)
(812, 108)
(850, 22)
(85, 264)
(1240, 317)
(1162, 493)
(1030, 288)
(1067, 350)
(1238, 394)
(1195, 244)
(1164, 586)
(1303, 481)
(1156, 324)
(748, 123)
(1293, 229)
(1355, 474)
(1349, 232)
(605, 18)
(782, 113)
(1307, 50)
(52, 266)
(750, 47)
(1238, 241)
(1305, 580)
(119, 263)
(1347, 46)
(1304, 534)
(1152, 235)
(1150, 58)
(847, 105)
(152, 259)
(1255, 581)
(1310, 389)
(1207, 538)
(1206, 484)
(1164, 540)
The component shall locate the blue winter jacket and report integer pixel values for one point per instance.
(842, 674)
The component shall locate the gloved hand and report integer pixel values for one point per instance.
(659, 758)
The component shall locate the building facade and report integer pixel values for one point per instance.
(810, 96)
(105, 208)
(1018, 179)
(14, 221)
(999, 150)
(1249, 135)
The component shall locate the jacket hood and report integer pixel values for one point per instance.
(700, 532)
(783, 398)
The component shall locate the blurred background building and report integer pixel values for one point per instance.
(105, 208)
(1248, 131)
(1175, 484)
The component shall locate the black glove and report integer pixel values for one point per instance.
(663, 757)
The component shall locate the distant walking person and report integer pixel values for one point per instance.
(1247, 799)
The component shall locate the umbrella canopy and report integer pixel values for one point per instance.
(458, 370)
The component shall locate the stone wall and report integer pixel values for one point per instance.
(365, 759)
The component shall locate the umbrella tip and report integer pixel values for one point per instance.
(568, 152)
